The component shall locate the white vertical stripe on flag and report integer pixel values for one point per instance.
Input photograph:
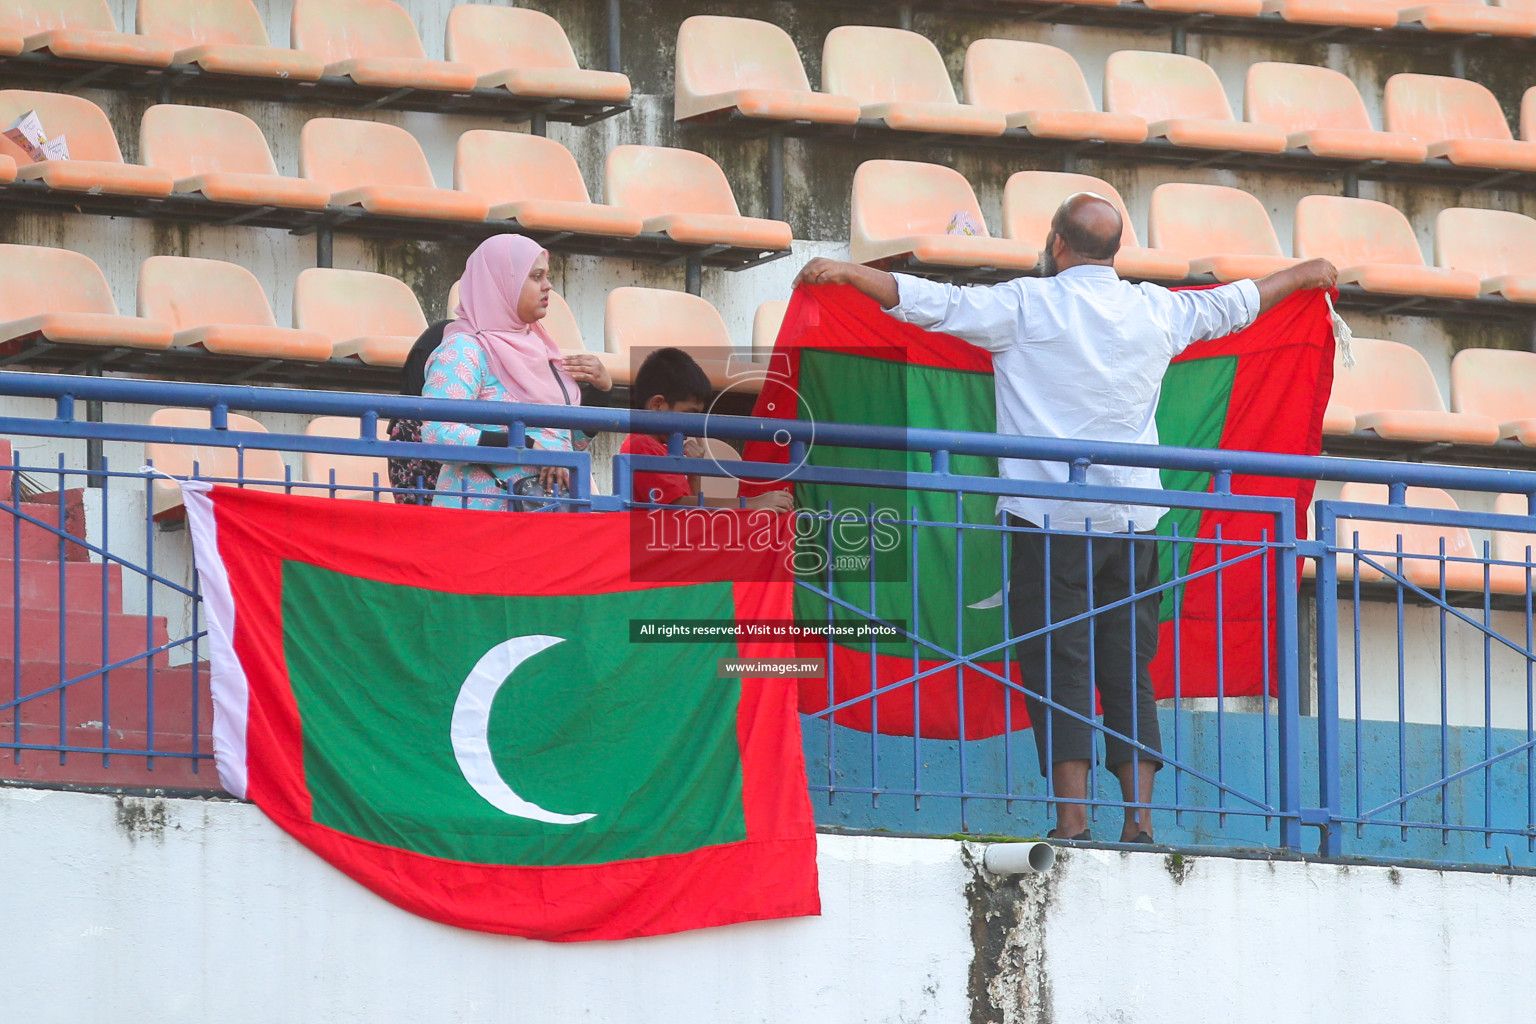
(231, 692)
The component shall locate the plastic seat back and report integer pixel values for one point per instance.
(360, 473)
(1416, 538)
(209, 461)
(338, 30)
(1434, 109)
(650, 318)
(345, 154)
(33, 16)
(1163, 86)
(491, 39)
(1513, 546)
(188, 23)
(1489, 243)
(899, 198)
(766, 323)
(884, 65)
(655, 181)
(89, 133)
(1204, 220)
(1354, 232)
(343, 304)
(36, 279)
(1497, 383)
(718, 54)
(1387, 375)
(1302, 98)
(1013, 75)
(187, 292)
(189, 141)
(561, 324)
(720, 487)
(507, 167)
(1031, 198)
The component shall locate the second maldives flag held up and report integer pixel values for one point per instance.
(839, 358)
(447, 706)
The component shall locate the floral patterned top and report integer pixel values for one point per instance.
(457, 369)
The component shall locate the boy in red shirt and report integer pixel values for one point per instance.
(670, 381)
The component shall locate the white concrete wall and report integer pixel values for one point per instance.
(135, 909)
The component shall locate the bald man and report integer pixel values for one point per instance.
(1080, 354)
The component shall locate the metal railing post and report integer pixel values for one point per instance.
(1328, 763)
(1288, 664)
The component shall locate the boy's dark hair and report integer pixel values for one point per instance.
(672, 374)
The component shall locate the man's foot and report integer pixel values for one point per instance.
(1139, 839)
(1082, 837)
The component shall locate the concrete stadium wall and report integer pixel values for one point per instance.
(126, 909)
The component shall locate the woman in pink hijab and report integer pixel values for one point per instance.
(498, 351)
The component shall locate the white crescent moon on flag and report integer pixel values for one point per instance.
(995, 601)
(472, 719)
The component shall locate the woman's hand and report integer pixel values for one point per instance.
(552, 477)
(585, 367)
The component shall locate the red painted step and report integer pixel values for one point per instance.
(123, 701)
(82, 586)
(126, 636)
(120, 770)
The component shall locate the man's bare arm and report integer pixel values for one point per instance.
(877, 284)
(1303, 276)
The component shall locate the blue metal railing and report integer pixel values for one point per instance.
(1255, 770)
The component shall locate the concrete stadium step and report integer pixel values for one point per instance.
(44, 543)
(40, 586)
(127, 636)
(123, 703)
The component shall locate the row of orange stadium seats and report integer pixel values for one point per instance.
(380, 168)
(902, 209)
(62, 298)
(752, 69)
(372, 42)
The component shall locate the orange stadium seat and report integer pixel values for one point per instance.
(1374, 246)
(1499, 247)
(534, 181)
(899, 78)
(1182, 100)
(358, 473)
(1384, 540)
(221, 308)
(738, 65)
(373, 42)
(222, 155)
(715, 489)
(208, 461)
(685, 196)
(1230, 8)
(95, 164)
(60, 296)
(80, 30)
(1030, 200)
(903, 208)
(1320, 110)
(7, 169)
(380, 168)
(561, 324)
(1499, 384)
(1041, 89)
(224, 37)
(1347, 13)
(11, 41)
(637, 321)
(1392, 392)
(371, 316)
(765, 326)
(526, 53)
(1456, 119)
(1222, 231)
(1470, 17)
(1512, 546)
(1528, 115)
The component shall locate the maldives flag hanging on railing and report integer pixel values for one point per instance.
(447, 706)
(840, 358)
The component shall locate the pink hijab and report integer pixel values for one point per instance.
(519, 353)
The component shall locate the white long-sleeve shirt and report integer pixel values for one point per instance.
(1080, 356)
